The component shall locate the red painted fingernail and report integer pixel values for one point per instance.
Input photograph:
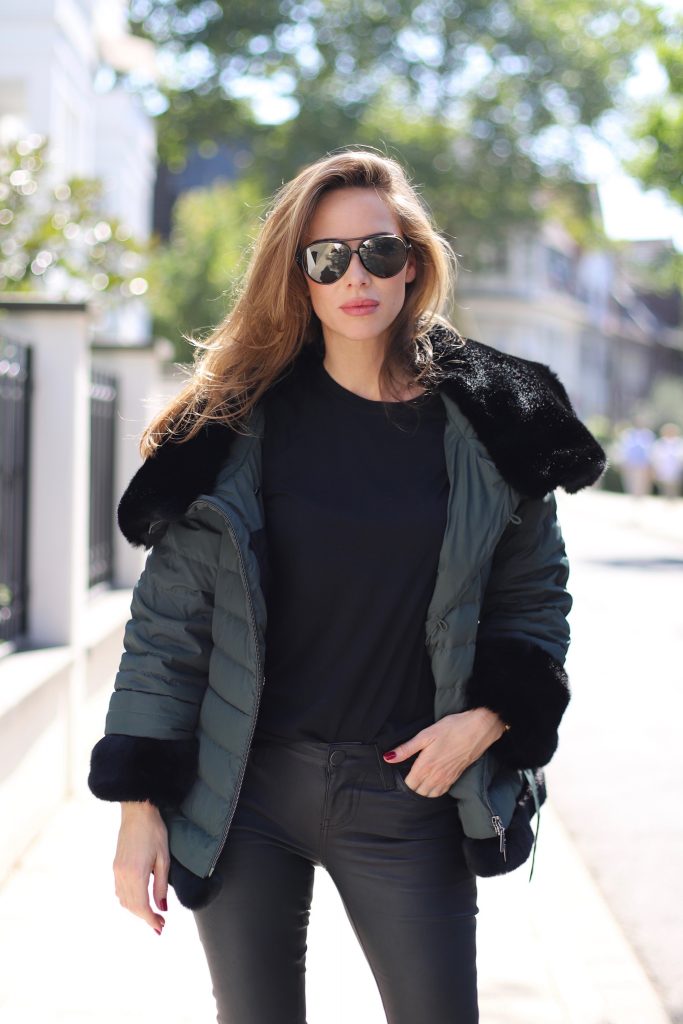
(163, 904)
(158, 931)
(390, 755)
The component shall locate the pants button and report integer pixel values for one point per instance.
(337, 756)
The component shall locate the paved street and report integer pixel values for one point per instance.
(616, 779)
(551, 951)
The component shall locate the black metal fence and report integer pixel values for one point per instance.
(103, 395)
(15, 398)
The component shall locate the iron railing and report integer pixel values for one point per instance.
(15, 399)
(103, 396)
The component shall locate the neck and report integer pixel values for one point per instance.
(355, 364)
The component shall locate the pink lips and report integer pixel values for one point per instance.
(360, 307)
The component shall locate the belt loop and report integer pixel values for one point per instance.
(385, 771)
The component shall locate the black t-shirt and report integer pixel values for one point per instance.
(355, 511)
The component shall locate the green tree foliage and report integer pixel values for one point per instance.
(192, 276)
(55, 236)
(658, 127)
(664, 403)
(658, 270)
(482, 101)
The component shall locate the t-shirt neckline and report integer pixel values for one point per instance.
(337, 390)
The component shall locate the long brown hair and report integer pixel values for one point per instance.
(272, 318)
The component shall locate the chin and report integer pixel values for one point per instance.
(364, 329)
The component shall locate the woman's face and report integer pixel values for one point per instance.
(351, 215)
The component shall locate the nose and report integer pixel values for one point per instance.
(356, 272)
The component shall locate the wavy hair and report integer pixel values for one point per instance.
(272, 318)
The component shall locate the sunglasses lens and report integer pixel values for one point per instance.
(325, 262)
(384, 256)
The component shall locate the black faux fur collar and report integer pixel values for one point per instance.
(518, 408)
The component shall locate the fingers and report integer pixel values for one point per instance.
(142, 849)
(131, 890)
(131, 883)
(160, 887)
(432, 785)
(429, 776)
(404, 750)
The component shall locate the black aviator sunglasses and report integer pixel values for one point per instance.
(328, 259)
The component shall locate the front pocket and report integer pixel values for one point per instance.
(402, 785)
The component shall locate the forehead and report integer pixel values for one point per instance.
(350, 213)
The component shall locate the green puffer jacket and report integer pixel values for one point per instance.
(186, 696)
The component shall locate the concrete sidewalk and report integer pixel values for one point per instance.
(549, 950)
(657, 516)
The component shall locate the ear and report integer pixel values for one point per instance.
(411, 268)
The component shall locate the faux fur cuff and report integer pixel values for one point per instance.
(529, 689)
(141, 768)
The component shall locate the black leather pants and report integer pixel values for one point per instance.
(395, 858)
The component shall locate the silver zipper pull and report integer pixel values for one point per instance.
(500, 831)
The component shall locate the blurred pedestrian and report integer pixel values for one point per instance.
(632, 456)
(384, 488)
(666, 458)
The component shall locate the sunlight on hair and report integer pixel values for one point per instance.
(272, 319)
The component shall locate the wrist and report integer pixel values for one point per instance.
(145, 807)
(492, 719)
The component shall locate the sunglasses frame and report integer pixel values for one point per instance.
(299, 258)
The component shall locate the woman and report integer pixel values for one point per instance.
(352, 505)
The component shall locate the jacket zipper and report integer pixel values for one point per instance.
(497, 823)
(260, 679)
(439, 622)
(496, 820)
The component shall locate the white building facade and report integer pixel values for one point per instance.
(57, 63)
(539, 295)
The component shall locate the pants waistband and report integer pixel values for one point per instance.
(333, 755)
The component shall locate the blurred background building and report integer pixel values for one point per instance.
(53, 53)
(542, 296)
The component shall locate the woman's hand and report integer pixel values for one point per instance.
(448, 747)
(142, 849)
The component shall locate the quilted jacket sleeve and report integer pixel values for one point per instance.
(523, 635)
(149, 750)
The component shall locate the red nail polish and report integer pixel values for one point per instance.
(163, 905)
(390, 755)
(158, 931)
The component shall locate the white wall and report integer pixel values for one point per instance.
(54, 687)
(143, 390)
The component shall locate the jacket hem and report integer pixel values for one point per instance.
(193, 891)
